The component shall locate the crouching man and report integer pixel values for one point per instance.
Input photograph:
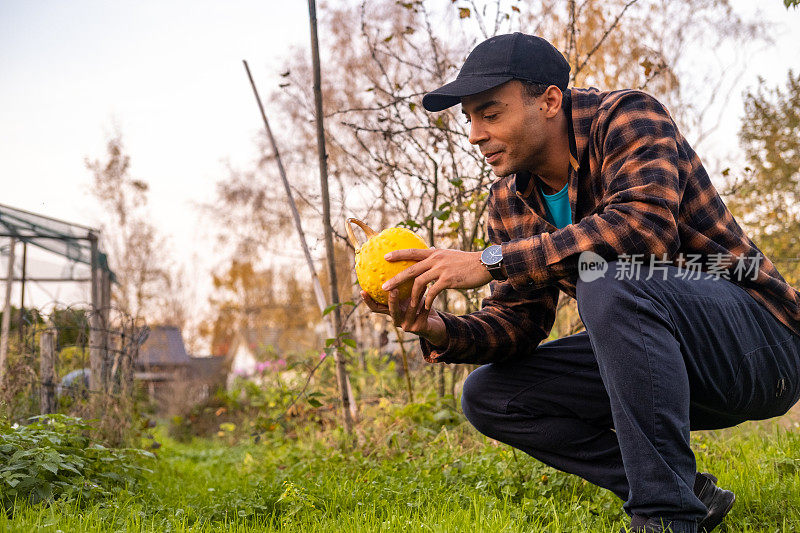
(688, 325)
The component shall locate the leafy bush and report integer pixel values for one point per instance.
(261, 404)
(54, 458)
(432, 413)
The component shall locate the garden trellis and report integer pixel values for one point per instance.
(78, 245)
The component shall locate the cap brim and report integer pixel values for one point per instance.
(451, 94)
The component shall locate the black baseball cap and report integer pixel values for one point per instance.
(514, 56)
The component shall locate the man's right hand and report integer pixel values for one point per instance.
(414, 319)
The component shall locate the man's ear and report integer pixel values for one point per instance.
(551, 101)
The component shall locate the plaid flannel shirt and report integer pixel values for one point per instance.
(635, 187)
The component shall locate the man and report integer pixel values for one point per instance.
(688, 326)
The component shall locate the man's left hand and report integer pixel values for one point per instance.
(447, 269)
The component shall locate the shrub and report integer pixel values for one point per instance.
(55, 458)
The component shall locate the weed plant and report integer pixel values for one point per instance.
(54, 458)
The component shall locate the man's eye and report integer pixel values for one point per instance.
(490, 117)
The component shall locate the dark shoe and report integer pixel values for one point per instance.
(718, 501)
(641, 524)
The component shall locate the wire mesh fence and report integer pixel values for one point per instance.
(75, 359)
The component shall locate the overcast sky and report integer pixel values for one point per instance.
(168, 74)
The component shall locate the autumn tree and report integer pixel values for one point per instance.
(392, 162)
(144, 287)
(767, 195)
(418, 167)
(270, 303)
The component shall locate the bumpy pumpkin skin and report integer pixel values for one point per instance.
(373, 270)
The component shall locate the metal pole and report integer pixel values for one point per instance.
(7, 312)
(341, 370)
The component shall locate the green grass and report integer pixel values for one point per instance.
(409, 479)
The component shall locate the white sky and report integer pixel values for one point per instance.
(168, 74)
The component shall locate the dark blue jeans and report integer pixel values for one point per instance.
(614, 404)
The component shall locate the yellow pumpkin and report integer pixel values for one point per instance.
(372, 269)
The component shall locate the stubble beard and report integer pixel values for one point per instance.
(502, 173)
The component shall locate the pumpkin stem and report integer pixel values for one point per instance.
(369, 232)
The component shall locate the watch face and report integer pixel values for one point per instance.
(492, 255)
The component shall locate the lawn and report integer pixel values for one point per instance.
(406, 477)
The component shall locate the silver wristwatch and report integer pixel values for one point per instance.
(492, 259)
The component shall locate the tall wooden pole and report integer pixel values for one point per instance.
(341, 370)
(21, 321)
(104, 280)
(401, 343)
(95, 327)
(7, 312)
(47, 373)
(318, 292)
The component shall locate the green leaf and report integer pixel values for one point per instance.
(442, 415)
(313, 402)
(350, 342)
(334, 306)
(441, 214)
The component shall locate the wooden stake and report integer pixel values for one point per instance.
(401, 342)
(7, 312)
(21, 321)
(96, 362)
(47, 372)
(318, 292)
(330, 324)
(341, 370)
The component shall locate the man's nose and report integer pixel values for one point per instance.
(477, 134)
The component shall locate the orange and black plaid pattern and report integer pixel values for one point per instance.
(635, 187)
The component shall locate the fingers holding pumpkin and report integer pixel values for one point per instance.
(374, 306)
(415, 302)
(420, 284)
(395, 309)
(417, 320)
(433, 292)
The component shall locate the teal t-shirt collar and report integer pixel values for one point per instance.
(559, 212)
